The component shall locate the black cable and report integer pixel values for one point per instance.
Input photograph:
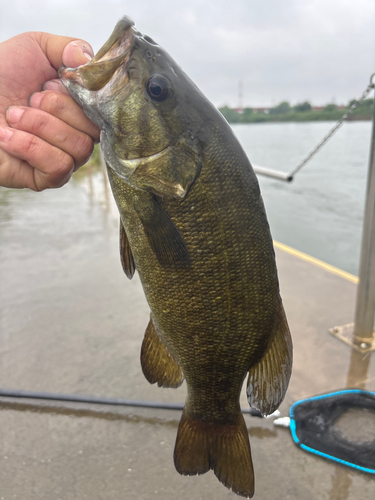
(102, 401)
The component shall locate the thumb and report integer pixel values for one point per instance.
(64, 50)
(77, 53)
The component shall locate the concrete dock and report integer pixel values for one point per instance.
(71, 322)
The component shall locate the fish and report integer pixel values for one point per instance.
(193, 225)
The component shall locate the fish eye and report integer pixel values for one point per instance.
(158, 88)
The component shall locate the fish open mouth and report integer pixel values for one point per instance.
(116, 52)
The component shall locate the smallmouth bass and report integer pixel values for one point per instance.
(194, 226)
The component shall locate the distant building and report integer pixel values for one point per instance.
(261, 110)
(320, 108)
(256, 110)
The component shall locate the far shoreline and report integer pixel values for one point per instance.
(304, 112)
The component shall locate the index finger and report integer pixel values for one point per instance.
(63, 107)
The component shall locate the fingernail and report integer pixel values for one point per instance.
(14, 114)
(52, 85)
(88, 56)
(86, 49)
(5, 134)
(35, 99)
(76, 53)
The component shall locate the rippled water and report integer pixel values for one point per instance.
(321, 211)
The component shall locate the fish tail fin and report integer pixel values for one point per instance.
(201, 446)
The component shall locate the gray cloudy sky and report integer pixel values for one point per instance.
(296, 50)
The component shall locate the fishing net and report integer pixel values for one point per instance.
(313, 424)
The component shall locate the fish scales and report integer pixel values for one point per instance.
(198, 235)
(191, 309)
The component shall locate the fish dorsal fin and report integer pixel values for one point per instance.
(268, 380)
(162, 234)
(157, 364)
(126, 255)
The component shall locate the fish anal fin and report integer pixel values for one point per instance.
(126, 255)
(268, 380)
(158, 365)
(201, 446)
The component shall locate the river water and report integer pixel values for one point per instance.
(321, 211)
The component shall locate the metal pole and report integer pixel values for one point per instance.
(275, 174)
(365, 303)
(360, 335)
(358, 370)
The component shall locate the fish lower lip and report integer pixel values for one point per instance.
(97, 72)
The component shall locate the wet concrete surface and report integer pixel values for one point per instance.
(71, 322)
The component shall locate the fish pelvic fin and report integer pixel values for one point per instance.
(225, 448)
(158, 365)
(126, 254)
(268, 380)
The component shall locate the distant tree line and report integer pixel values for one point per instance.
(303, 111)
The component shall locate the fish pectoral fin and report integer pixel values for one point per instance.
(225, 448)
(268, 380)
(126, 255)
(158, 365)
(163, 236)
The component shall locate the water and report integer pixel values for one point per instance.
(321, 211)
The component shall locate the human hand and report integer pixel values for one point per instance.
(44, 135)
